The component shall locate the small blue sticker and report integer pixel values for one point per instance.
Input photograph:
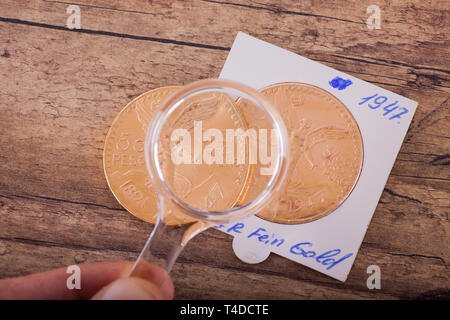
(340, 83)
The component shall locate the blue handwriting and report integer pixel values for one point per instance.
(324, 258)
(376, 101)
(262, 236)
(329, 258)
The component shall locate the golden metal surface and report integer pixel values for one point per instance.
(326, 152)
(214, 187)
(124, 160)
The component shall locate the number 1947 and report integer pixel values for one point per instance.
(390, 108)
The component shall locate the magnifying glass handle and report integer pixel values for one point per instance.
(165, 244)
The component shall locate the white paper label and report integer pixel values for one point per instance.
(330, 244)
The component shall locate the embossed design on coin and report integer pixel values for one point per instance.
(125, 168)
(326, 153)
(124, 161)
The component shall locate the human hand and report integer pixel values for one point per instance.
(99, 281)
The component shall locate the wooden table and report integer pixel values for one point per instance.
(61, 89)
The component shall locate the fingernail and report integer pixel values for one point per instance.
(128, 289)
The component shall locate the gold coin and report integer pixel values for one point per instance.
(326, 152)
(124, 160)
(126, 172)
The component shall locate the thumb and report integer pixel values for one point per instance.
(130, 289)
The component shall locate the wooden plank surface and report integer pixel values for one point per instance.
(62, 88)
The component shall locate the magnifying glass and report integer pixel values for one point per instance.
(203, 158)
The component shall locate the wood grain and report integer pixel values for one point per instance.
(62, 88)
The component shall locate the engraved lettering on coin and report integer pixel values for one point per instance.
(124, 161)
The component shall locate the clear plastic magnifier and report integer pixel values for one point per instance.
(212, 160)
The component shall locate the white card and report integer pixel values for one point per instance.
(329, 244)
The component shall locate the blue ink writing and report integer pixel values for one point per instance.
(236, 227)
(329, 258)
(262, 236)
(324, 258)
(376, 101)
(340, 83)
